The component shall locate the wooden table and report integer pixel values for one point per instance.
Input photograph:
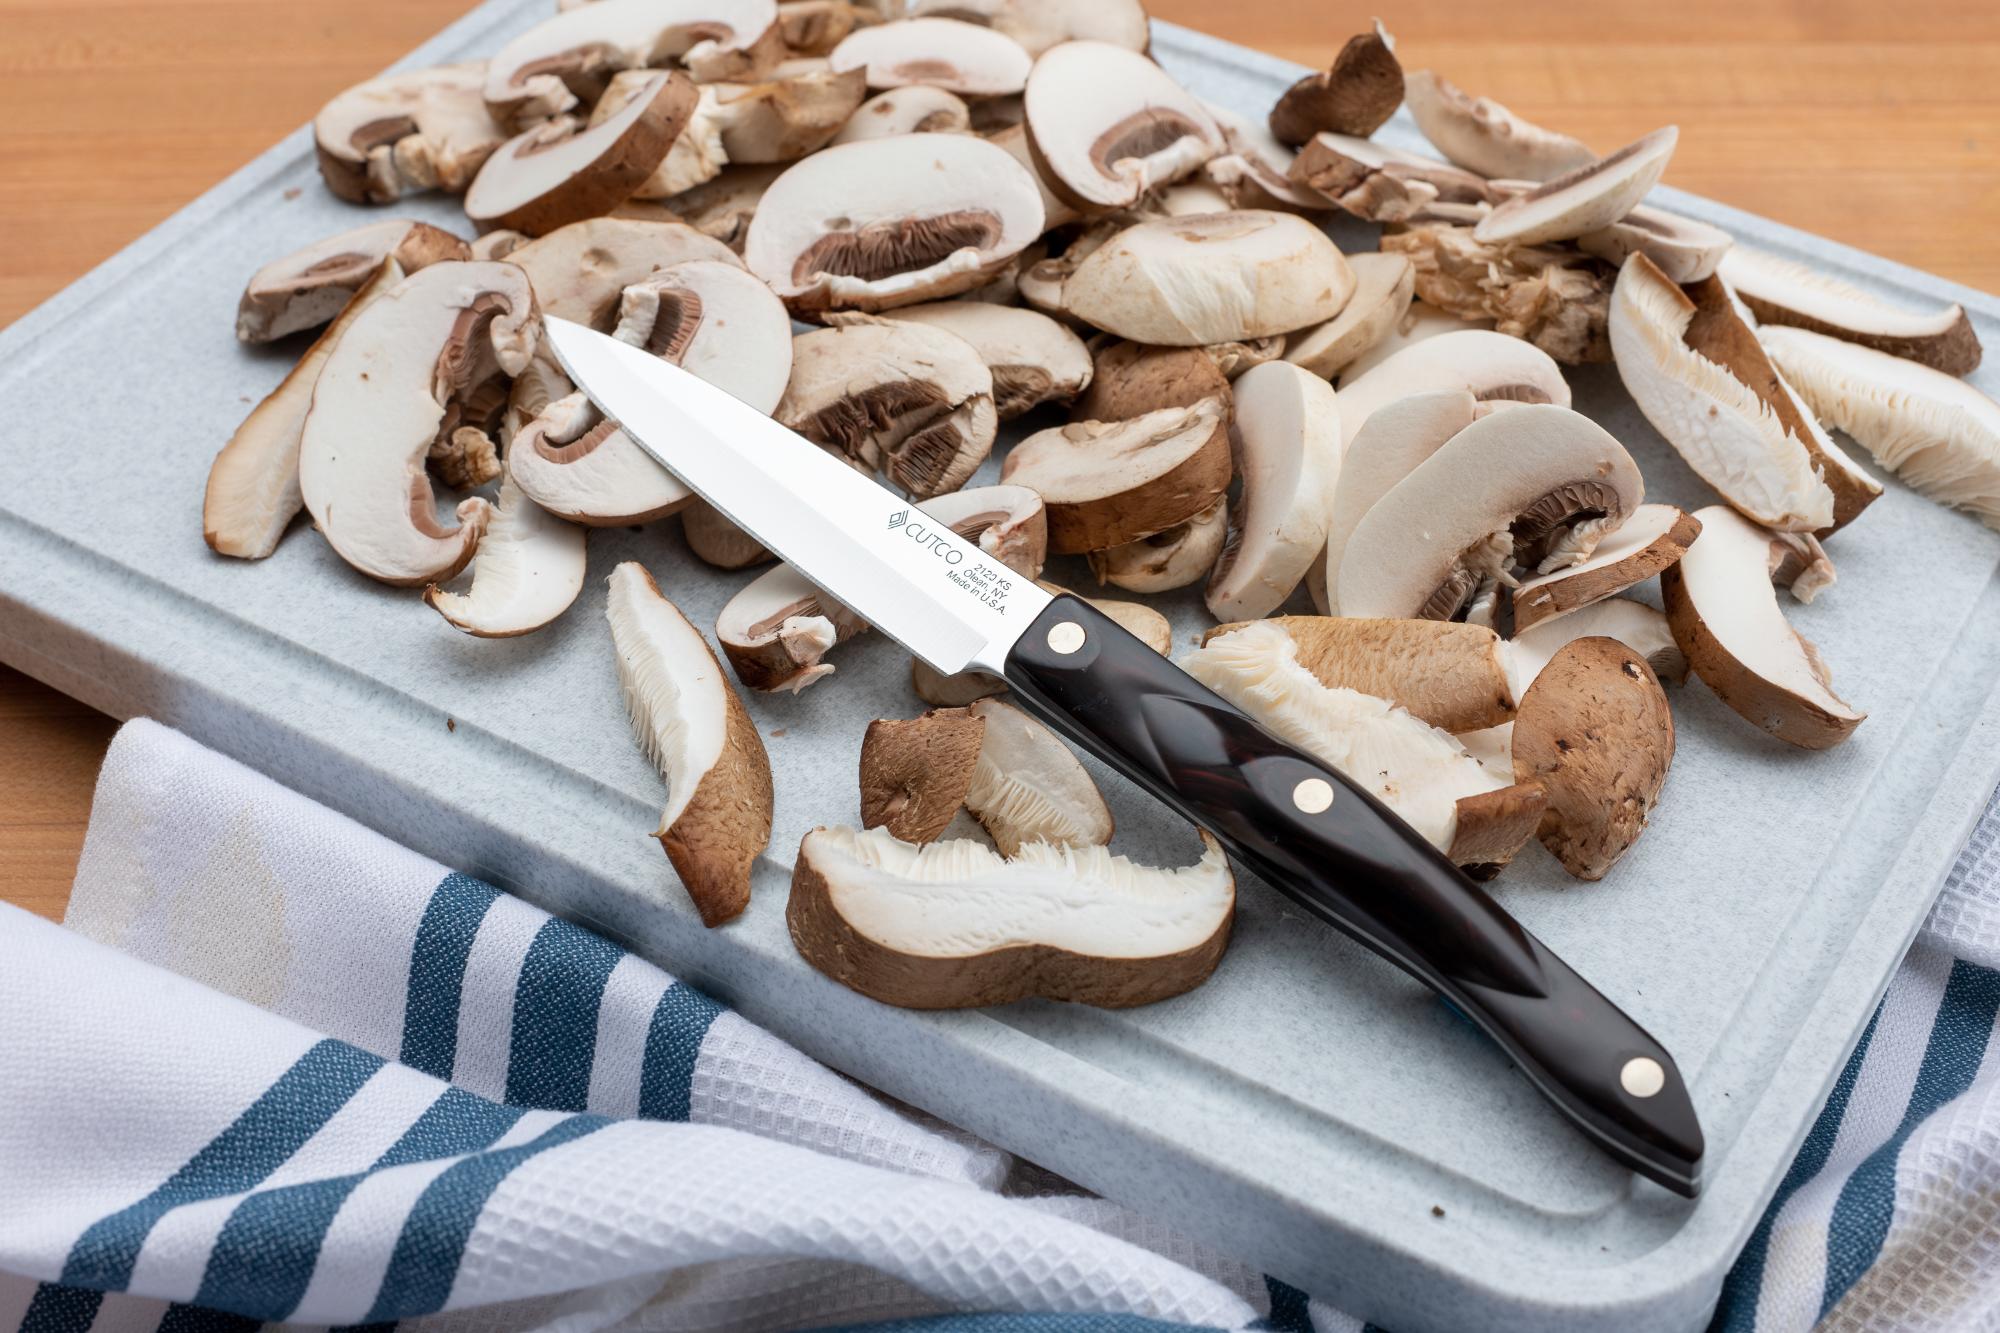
(1878, 125)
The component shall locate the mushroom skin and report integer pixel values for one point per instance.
(1175, 558)
(1483, 136)
(527, 571)
(1106, 125)
(778, 629)
(1383, 287)
(915, 772)
(1254, 170)
(1779, 291)
(1550, 296)
(1634, 624)
(1288, 448)
(580, 272)
(1653, 537)
(311, 286)
(916, 108)
(946, 53)
(1129, 379)
(1355, 95)
(1109, 483)
(425, 129)
(1584, 199)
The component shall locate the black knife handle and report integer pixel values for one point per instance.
(1357, 865)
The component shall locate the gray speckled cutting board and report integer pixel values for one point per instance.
(1306, 1108)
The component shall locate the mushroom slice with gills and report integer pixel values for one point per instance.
(1584, 199)
(309, 287)
(1634, 624)
(786, 117)
(1596, 732)
(1130, 379)
(1697, 372)
(1481, 135)
(889, 222)
(1682, 248)
(1937, 433)
(1033, 359)
(778, 628)
(526, 572)
(1180, 555)
(916, 771)
(697, 154)
(1009, 523)
(1551, 296)
(1212, 278)
(1654, 537)
(1420, 321)
(555, 173)
(1380, 183)
(1490, 366)
(916, 108)
(581, 271)
(424, 129)
(1108, 125)
(394, 383)
(693, 727)
(1355, 95)
(1779, 291)
(722, 208)
(940, 52)
(1383, 285)
(1041, 24)
(718, 542)
(1234, 358)
(1287, 445)
(1511, 489)
(953, 925)
(1027, 787)
(1725, 616)
(1107, 483)
(1254, 169)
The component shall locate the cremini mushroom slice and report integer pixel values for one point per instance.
(1551, 296)
(1696, 370)
(309, 287)
(496, 244)
(915, 108)
(815, 27)
(717, 541)
(1108, 125)
(1009, 523)
(1937, 433)
(1584, 199)
(1170, 559)
(911, 401)
(1380, 183)
(1530, 486)
(941, 52)
(1109, 483)
(1212, 278)
(1189, 198)
(693, 727)
(1419, 321)
(425, 129)
(1388, 448)
(1287, 445)
(526, 572)
(1033, 359)
(785, 117)
(1725, 616)
(1653, 537)
(1056, 210)
(952, 925)
(696, 155)
(1800, 563)
(722, 208)
(777, 630)
(398, 380)
(1490, 366)
(1483, 136)
(916, 771)
(1779, 291)
(556, 173)
(1596, 732)
(1027, 787)
(953, 691)
(1252, 171)
(1684, 249)
(581, 271)
(1383, 285)
(1634, 624)
(1041, 24)
(889, 222)
(1142, 622)
(1453, 676)
(1130, 379)
(1356, 95)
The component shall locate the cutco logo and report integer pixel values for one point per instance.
(925, 537)
(898, 519)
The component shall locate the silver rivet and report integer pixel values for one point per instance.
(1313, 795)
(1642, 1076)
(1066, 638)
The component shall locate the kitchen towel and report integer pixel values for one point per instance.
(279, 1069)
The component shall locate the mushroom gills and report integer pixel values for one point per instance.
(1108, 125)
(1652, 538)
(1780, 291)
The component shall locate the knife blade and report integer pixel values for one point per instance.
(1307, 830)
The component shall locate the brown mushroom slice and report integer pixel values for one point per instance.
(718, 542)
(527, 571)
(1388, 448)
(952, 925)
(1725, 616)
(1109, 483)
(496, 245)
(1483, 136)
(1033, 359)
(815, 27)
(424, 129)
(1490, 366)
(1510, 489)
(1170, 559)
(1253, 170)
(1355, 95)
(1779, 291)
(1288, 451)
(1009, 523)
(693, 727)
(399, 379)
(1108, 125)
(1027, 787)
(1142, 622)
(786, 117)
(581, 271)
(309, 287)
(1550, 296)
(889, 222)
(1383, 285)
(942, 52)
(1419, 322)
(1380, 183)
(722, 208)
(1634, 624)
(1453, 676)
(916, 771)
(1584, 199)
(1684, 249)
(1937, 433)
(1041, 24)
(696, 155)
(916, 108)
(776, 631)
(1596, 732)
(1653, 537)
(1130, 379)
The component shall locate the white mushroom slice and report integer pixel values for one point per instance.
(889, 222)
(1109, 483)
(1380, 183)
(425, 129)
(1937, 433)
(1800, 563)
(1684, 249)
(1508, 490)
(1109, 125)
(1490, 366)
(309, 287)
(1041, 24)
(1388, 448)
(785, 118)
(1254, 169)
(526, 572)
(1044, 282)
(1213, 278)
(1634, 624)
(1383, 285)
(717, 541)
(1551, 296)
(1419, 322)
(952, 925)
(697, 154)
(693, 727)
(580, 271)
(1184, 199)
(1779, 291)
(1653, 537)
(582, 468)
(778, 628)
(1725, 616)
(1355, 95)
(1027, 786)
(953, 691)
(1174, 558)
(496, 245)
(1483, 136)
(1056, 210)
(1585, 199)
(917, 108)
(1130, 379)
(722, 208)
(1288, 447)
(944, 53)
(1033, 359)
(1142, 622)
(397, 380)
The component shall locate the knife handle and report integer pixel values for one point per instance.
(1332, 847)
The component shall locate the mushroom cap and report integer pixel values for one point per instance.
(777, 628)
(417, 130)
(1355, 95)
(1651, 538)
(1384, 451)
(1383, 286)
(1779, 291)
(1584, 199)
(1174, 558)
(1683, 249)
(1211, 278)
(1130, 379)
(1027, 787)
(1634, 624)
(581, 271)
(526, 572)
(1041, 24)
(941, 52)
(1109, 483)
(695, 157)
(1490, 366)
(1108, 125)
(1288, 448)
(916, 771)
(1032, 358)
(916, 108)
(1483, 136)
(815, 27)
(310, 286)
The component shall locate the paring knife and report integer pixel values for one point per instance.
(1306, 830)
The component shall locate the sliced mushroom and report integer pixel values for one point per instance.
(915, 108)
(1033, 359)
(1684, 249)
(722, 208)
(942, 52)
(1380, 183)
(1044, 282)
(786, 117)
(1108, 125)
(1388, 448)
(1056, 210)
(777, 630)
(1130, 379)
(1009, 523)
(952, 925)
(1383, 285)
(1490, 366)
(1483, 136)
(496, 245)
(717, 541)
(815, 27)
(1027, 787)
(1287, 446)
(1185, 199)
(1800, 563)
(581, 271)
(889, 222)
(1551, 296)
(1356, 95)
(309, 287)
(1584, 199)
(1109, 483)
(1419, 322)
(1779, 291)
(953, 691)
(425, 129)
(915, 772)
(1453, 676)
(398, 379)
(693, 727)
(1939, 434)
(1634, 624)
(1653, 537)
(1725, 616)
(697, 154)
(1142, 622)
(526, 572)
(1252, 171)
(1170, 559)
(1041, 24)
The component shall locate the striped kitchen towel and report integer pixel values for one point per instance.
(278, 1069)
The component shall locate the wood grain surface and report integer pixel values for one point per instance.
(1875, 124)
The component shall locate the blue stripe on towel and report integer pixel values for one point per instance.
(437, 972)
(59, 1309)
(1288, 1309)
(673, 1043)
(1080, 1322)
(194, 1319)
(555, 1017)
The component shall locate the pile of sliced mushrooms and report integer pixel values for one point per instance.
(978, 210)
